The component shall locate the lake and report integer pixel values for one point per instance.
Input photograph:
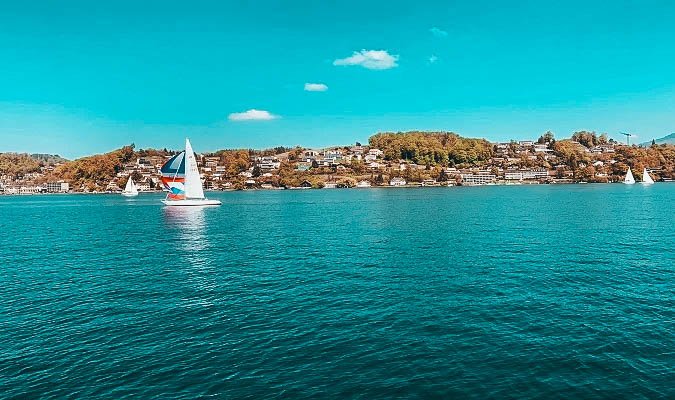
(537, 291)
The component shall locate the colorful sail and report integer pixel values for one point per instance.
(173, 177)
(180, 175)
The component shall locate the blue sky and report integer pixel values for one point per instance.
(79, 77)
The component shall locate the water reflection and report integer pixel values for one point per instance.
(190, 223)
(192, 242)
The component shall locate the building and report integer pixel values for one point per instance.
(309, 155)
(57, 187)
(480, 178)
(363, 184)
(267, 163)
(397, 182)
(513, 175)
(519, 175)
(542, 148)
(602, 148)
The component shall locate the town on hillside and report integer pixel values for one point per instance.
(389, 160)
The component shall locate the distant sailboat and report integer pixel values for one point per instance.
(646, 179)
(130, 190)
(180, 177)
(629, 180)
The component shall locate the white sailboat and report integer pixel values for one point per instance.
(646, 179)
(180, 177)
(629, 180)
(130, 190)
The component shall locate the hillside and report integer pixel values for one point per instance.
(431, 148)
(670, 139)
(94, 172)
(49, 159)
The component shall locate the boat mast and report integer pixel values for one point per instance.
(174, 180)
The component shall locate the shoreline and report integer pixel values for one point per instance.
(276, 189)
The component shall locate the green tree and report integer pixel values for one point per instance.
(442, 176)
(545, 138)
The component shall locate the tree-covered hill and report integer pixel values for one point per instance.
(19, 164)
(432, 148)
(94, 172)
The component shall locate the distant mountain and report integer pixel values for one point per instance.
(49, 158)
(670, 139)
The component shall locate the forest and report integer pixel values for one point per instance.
(17, 165)
(432, 148)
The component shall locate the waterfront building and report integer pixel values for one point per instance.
(57, 187)
(519, 175)
(513, 175)
(397, 182)
(479, 178)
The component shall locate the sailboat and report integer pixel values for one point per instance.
(180, 177)
(629, 180)
(130, 190)
(646, 179)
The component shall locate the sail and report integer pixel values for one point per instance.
(646, 178)
(173, 177)
(193, 183)
(130, 187)
(629, 177)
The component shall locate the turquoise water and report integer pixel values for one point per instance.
(480, 292)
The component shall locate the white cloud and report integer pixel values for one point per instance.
(433, 59)
(252, 115)
(438, 32)
(371, 59)
(315, 87)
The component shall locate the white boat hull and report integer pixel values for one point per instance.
(192, 202)
(129, 194)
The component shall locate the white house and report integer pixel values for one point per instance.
(397, 182)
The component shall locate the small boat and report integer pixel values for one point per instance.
(180, 177)
(130, 190)
(629, 180)
(646, 179)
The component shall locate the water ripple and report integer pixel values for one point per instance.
(506, 292)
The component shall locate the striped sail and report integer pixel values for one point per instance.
(173, 177)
